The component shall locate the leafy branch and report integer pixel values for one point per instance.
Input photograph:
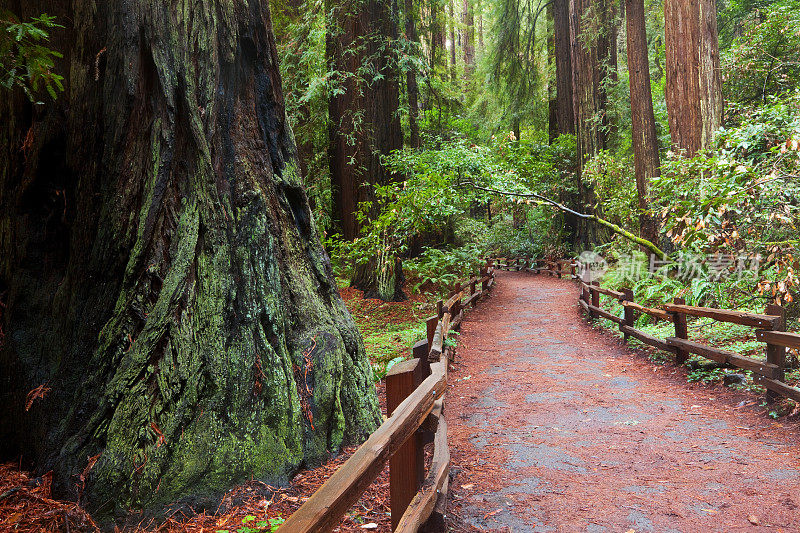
(613, 227)
(25, 61)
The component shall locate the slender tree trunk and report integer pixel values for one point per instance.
(645, 140)
(438, 52)
(165, 277)
(453, 42)
(468, 21)
(411, 76)
(693, 90)
(607, 59)
(565, 115)
(552, 99)
(480, 26)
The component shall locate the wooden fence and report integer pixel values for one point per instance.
(769, 327)
(415, 401)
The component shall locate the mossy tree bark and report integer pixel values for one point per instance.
(165, 278)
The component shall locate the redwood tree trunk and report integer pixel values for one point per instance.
(364, 123)
(645, 140)
(165, 278)
(451, 22)
(607, 59)
(411, 76)
(693, 90)
(468, 33)
(552, 98)
(565, 114)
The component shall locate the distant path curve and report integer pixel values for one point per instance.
(554, 426)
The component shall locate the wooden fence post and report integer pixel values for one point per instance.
(440, 309)
(681, 332)
(407, 465)
(456, 307)
(472, 291)
(595, 298)
(431, 324)
(629, 318)
(776, 354)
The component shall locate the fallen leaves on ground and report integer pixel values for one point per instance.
(26, 505)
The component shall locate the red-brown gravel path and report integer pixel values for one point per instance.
(555, 426)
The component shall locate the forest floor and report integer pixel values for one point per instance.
(557, 426)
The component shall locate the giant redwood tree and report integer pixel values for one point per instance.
(165, 283)
(589, 23)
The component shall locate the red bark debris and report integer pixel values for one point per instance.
(37, 393)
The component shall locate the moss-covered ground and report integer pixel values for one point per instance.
(390, 329)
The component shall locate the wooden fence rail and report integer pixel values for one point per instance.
(415, 401)
(771, 324)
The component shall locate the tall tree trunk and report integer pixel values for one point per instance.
(480, 25)
(365, 125)
(452, 24)
(552, 99)
(468, 33)
(438, 52)
(693, 90)
(165, 278)
(587, 76)
(585, 82)
(411, 76)
(563, 57)
(607, 59)
(645, 140)
(363, 118)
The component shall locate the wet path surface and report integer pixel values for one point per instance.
(555, 426)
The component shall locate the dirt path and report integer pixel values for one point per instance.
(555, 426)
